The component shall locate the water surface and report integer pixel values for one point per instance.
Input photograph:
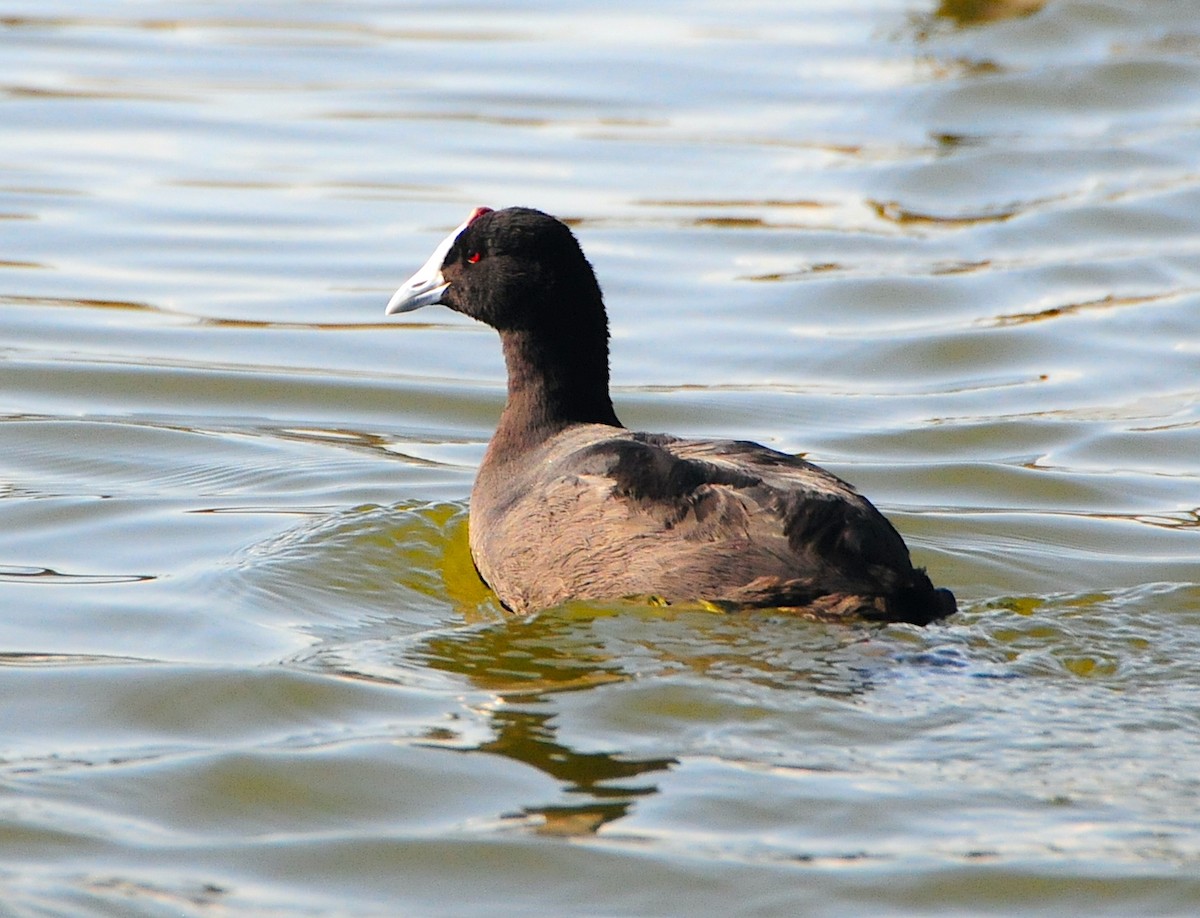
(949, 251)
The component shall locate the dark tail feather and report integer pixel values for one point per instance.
(919, 602)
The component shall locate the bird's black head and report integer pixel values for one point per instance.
(516, 269)
(522, 272)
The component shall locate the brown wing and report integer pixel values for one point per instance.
(617, 514)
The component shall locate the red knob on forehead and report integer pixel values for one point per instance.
(477, 213)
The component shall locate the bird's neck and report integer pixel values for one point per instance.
(551, 385)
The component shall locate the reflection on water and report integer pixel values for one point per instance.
(525, 665)
(975, 12)
(46, 575)
(521, 666)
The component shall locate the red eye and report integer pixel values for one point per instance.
(473, 258)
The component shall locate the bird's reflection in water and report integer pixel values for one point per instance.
(978, 12)
(524, 665)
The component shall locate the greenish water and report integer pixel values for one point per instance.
(951, 252)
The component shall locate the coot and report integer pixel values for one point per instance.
(569, 504)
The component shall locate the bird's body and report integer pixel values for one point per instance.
(568, 504)
(603, 512)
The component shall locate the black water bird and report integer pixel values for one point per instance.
(569, 504)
